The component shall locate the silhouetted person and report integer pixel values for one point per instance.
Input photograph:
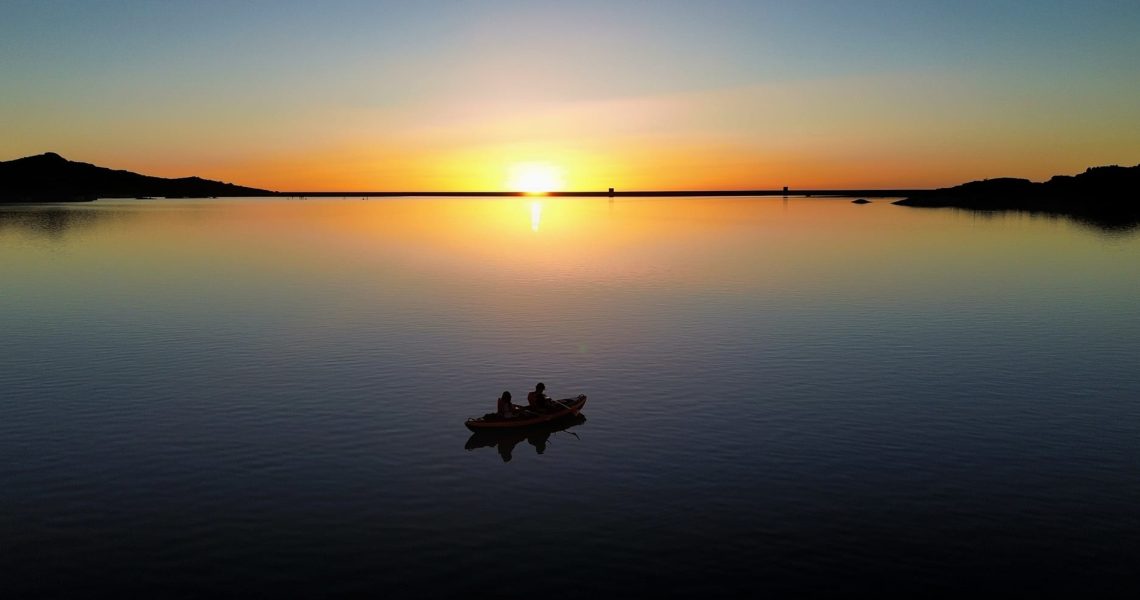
(505, 408)
(537, 398)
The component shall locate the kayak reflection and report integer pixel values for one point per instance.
(505, 440)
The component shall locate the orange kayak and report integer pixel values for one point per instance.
(529, 416)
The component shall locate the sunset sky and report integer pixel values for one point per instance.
(635, 95)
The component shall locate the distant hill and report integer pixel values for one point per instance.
(51, 178)
(1104, 196)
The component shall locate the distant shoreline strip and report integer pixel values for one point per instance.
(614, 194)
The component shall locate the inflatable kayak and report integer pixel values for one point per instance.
(527, 417)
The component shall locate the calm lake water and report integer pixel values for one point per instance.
(266, 397)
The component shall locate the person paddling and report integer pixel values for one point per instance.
(537, 398)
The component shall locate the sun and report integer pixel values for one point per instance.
(534, 178)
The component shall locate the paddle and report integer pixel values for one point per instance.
(558, 404)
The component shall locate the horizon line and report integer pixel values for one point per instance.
(872, 192)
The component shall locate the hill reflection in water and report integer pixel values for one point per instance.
(56, 221)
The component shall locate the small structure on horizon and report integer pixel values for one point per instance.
(611, 192)
(785, 190)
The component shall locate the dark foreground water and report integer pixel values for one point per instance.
(263, 398)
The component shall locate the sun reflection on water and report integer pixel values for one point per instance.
(535, 215)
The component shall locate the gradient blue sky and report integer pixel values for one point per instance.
(451, 95)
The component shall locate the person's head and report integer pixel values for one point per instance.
(541, 386)
(506, 396)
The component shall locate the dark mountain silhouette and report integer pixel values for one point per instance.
(51, 178)
(1102, 196)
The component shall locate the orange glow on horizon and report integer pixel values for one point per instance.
(621, 164)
